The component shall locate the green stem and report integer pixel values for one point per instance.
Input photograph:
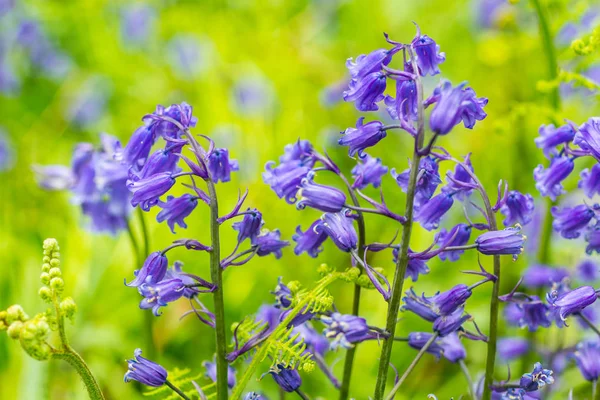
(351, 353)
(134, 245)
(176, 390)
(412, 366)
(589, 323)
(216, 274)
(467, 375)
(402, 263)
(546, 236)
(145, 234)
(75, 360)
(595, 391)
(261, 352)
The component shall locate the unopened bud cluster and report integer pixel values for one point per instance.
(31, 333)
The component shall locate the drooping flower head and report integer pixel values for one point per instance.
(458, 236)
(446, 325)
(160, 294)
(460, 181)
(324, 198)
(548, 181)
(570, 222)
(369, 63)
(454, 351)
(249, 227)
(453, 105)
(536, 379)
(269, 242)
(418, 305)
(368, 171)
(285, 179)
(588, 137)
(367, 91)
(590, 181)
(507, 241)
(551, 137)
(430, 214)
(428, 180)
(539, 276)
(147, 192)
(145, 371)
(571, 302)
(518, 208)
(417, 340)
(588, 270)
(288, 379)
(220, 166)
(511, 348)
(363, 136)
(428, 54)
(345, 330)
(587, 358)
(310, 241)
(340, 228)
(153, 270)
(176, 209)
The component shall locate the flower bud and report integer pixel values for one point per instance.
(54, 272)
(45, 294)
(15, 313)
(55, 263)
(14, 330)
(325, 269)
(45, 278)
(68, 307)
(46, 264)
(351, 274)
(294, 286)
(57, 284)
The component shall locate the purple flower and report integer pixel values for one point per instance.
(539, 276)
(429, 214)
(163, 160)
(569, 222)
(176, 209)
(550, 137)
(363, 136)
(417, 341)
(511, 348)
(288, 379)
(548, 181)
(310, 241)
(270, 315)
(405, 105)
(176, 272)
(367, 64)
(571, 302)
(518, 208)
(168, 122)
(588, 137)
(145, 371)
(270, 243)
(249, 227)
(460, 181)
(283, 295)
(454, 351)
(592, 237)
(301, 151)
(506, 241)
(366, 91)
(368, 171)
(153, 270)
(428, 180)
(590, 181)
(538, 378)
(447, 302)
(147, 192)
(324, 198)
(587, 358)
(416, 266)
(138, 148)
(346, 330)
(220, 166)
(451, 323)
(453, 105)
(285, 179)
(588, 270)
(160, 294)
(428, 54)
(419, 306)
(315, 342)
(531, 314)
(211, 373)
(340, 228)
(54, 177)
(461, 234)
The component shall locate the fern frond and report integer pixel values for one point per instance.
(180, 378)
(247, 328)
(288, 350)
(317, 301)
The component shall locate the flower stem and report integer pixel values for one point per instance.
(351, 353)
(402, 263)
(176, 390)
(589, 323)
(465, 371)
(412, 366)
(216, 273)
(74, 359)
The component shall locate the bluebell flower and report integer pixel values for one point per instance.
(368, 171)
(587, 358)
(590, 181)
(569, 222)
(366, 91)
(534, 314)
(369, 63)
(340, 228)
(315, 342)
(301, 151)
(418, 305)
(445, 325)
(163, 160)
(536, 379)
(588, 137)
(588, 270)
(550, 137)
(288, 379)
(518, 208)
(147, 192)
(592, 237)
(345, 330)
(145, 371)
(363, 136)
(176, 209)
(405, 105)
(416, 265)
(506, 241)
(461, 234)
(283, 295)
(211, 373)
(160, 294)
(176, 272)
(138, 148)
(270, 315)
(285, 179)
(445, 303)
(270, 243)
(512, 348)
(153, 270)
(548, 181)
(571, 302)
(513, 314)
(249, 227)
(429, 214)
(417, 341)
(310, 241)
(513, 394)
(539, 276)
(453, 105)
(160, 122)
(220, 166)
(320, 197)
(428, 180)
(454, 351)
(460, 181)
(427, 53)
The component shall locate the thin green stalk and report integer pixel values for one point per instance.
(176, 390)
(216, 273)
(589, 323)
(402, 263)
(75, 360)
(467, 375)
(134, 246)
(412, 366)
(145, 235)
(351, 353)
(595, 391)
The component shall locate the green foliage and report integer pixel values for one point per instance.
(589, 45)
(285, 348)
(182, 379)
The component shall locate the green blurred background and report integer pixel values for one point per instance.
(288, 55)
